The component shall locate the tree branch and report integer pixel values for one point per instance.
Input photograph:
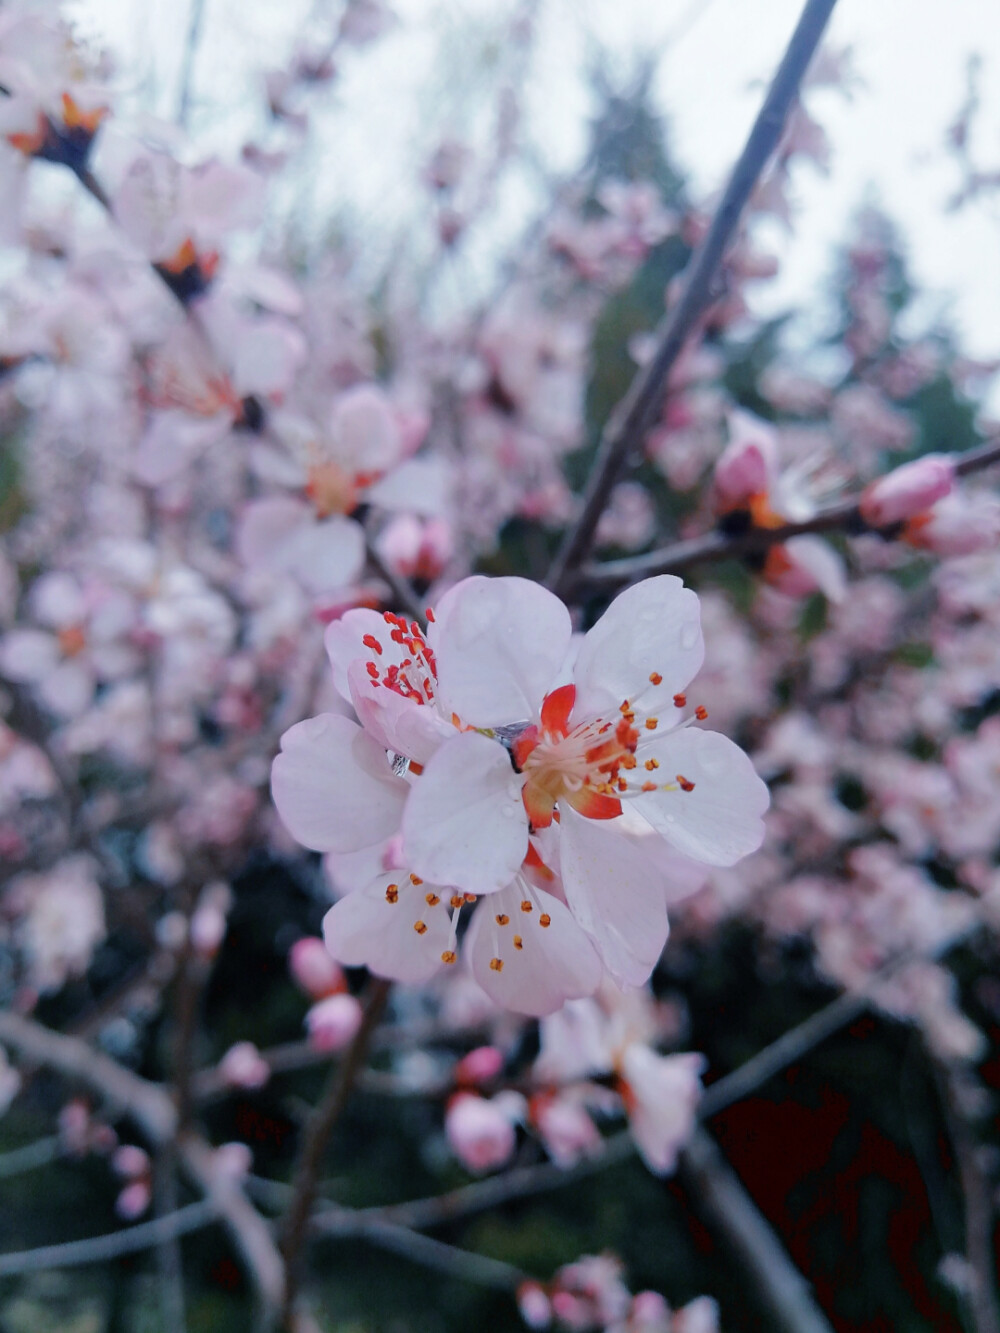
(317, 1137)
(717, 1193)
(638, 411)
(98, 1249)
(844, 516)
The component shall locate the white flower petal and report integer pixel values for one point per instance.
(333, 787)
(554, 963)
(325, 556)
(68, 689)
(402, 939)
(265, 527)
(615, 895)
(653, 627)
(465, 822)
(666, 1090)
(499, 645)
(28, 655)
(719, 822)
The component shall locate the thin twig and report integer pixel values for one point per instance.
(98, 1249)
(401, 590)
(639, 409)
(191, 44)
(30, 1157)
(317, 1137)
(844, 516)
(977, 1201)
(718, 1195)
(153, 1110)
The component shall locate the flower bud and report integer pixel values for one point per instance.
(133, 1200)
(243, 1066)
(534, 1305)
(907, 490)
(482, 1065)
(313, 970)
(480, 1132)
(957, 525)
(333, 1022)
(747, 464)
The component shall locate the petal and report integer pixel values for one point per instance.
(665, 1090)
(543, 966)
(499, 645)
(615, 895)
(397, 722)
(325, 556)
(400, 936)
(419, 486)
(28, 655)
(69, 689)
(333, 787)
(651, 629)
(719, 821)
(365, 433)
(464, 822)
(266, 525)
(344, 641)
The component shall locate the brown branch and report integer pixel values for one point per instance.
(716, 1192)
(317, 1137)
(844, 516)
(638, 411)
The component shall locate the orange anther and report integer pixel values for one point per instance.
(371, 642)
(449, 956)
(416, 769)
(545, 919)
(526, 906)
(680, 700)
(430, 615)
(392, 893)
(415, 879)
(651, 764)
(456, 900)
(431, 899)
(503, 919)
(649, 786)
(518, 942)
(470, 897)
(655, 678)
(496, 964)
(652, 723)
(701, 712)
(683, 783)
(420, 927)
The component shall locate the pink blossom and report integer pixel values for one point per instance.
(313, 970)
(134, 1199)
(333, 1022)
(661, 1094)
(482, 1065)
(908, 490)
(243, 1066)
(481, 1131)
(958, 525)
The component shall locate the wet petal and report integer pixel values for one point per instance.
(333, 787)
(464, 822)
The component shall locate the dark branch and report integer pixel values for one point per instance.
(845, 516)
(638, 411)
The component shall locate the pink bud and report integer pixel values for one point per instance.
(534, 1305)
(232, 1160)
(208, 929)
(333, 1022)
(130, 1160)
(243, 1066)
(313, 970)
(957, 525)
(480, 1132)
(482, 1065)
(748, 463)
(133, 1200)
(649, 1313)
(803, 565)
(907, 490)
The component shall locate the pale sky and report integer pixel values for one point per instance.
(888, 139)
